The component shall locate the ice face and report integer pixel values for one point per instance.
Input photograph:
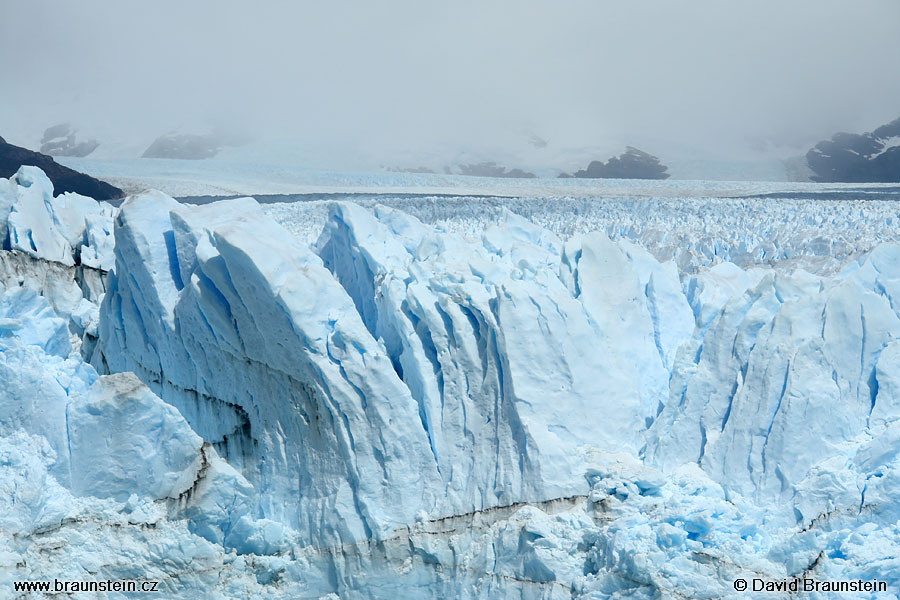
(501, 342)
(232, 318)
(459, 372)
(402, 411)
(69, 437)
(60, 229)
(785, 376)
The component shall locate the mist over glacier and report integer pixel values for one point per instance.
(362, 403)
(409, 84)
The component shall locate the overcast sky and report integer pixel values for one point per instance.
(714, 75)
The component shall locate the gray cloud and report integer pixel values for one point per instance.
(718, 76)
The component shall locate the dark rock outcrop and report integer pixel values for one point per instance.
(632, 164)
(63, 178)
(492, 169)
(189, 146)
(60, 140)
(858, 158)
(186, 146)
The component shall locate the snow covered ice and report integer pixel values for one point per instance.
(379, 405)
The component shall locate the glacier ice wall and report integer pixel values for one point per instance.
(260, 348)
(401, 411)
(80, 453)
(507, 365)
(450, 372)
(500, 343)
(792, 373)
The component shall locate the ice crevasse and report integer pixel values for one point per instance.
(397, 410)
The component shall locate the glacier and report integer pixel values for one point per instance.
(196, 395)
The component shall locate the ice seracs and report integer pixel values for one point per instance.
(399, 410)
(786, 379)
(438, 364)
(104, 436)
(61, 229)
(261, 349)
(502, 367)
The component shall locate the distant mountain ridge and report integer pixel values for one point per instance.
(189, 146)
(858, 158)
(60, 140)
(492, 169)
(632, 164)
